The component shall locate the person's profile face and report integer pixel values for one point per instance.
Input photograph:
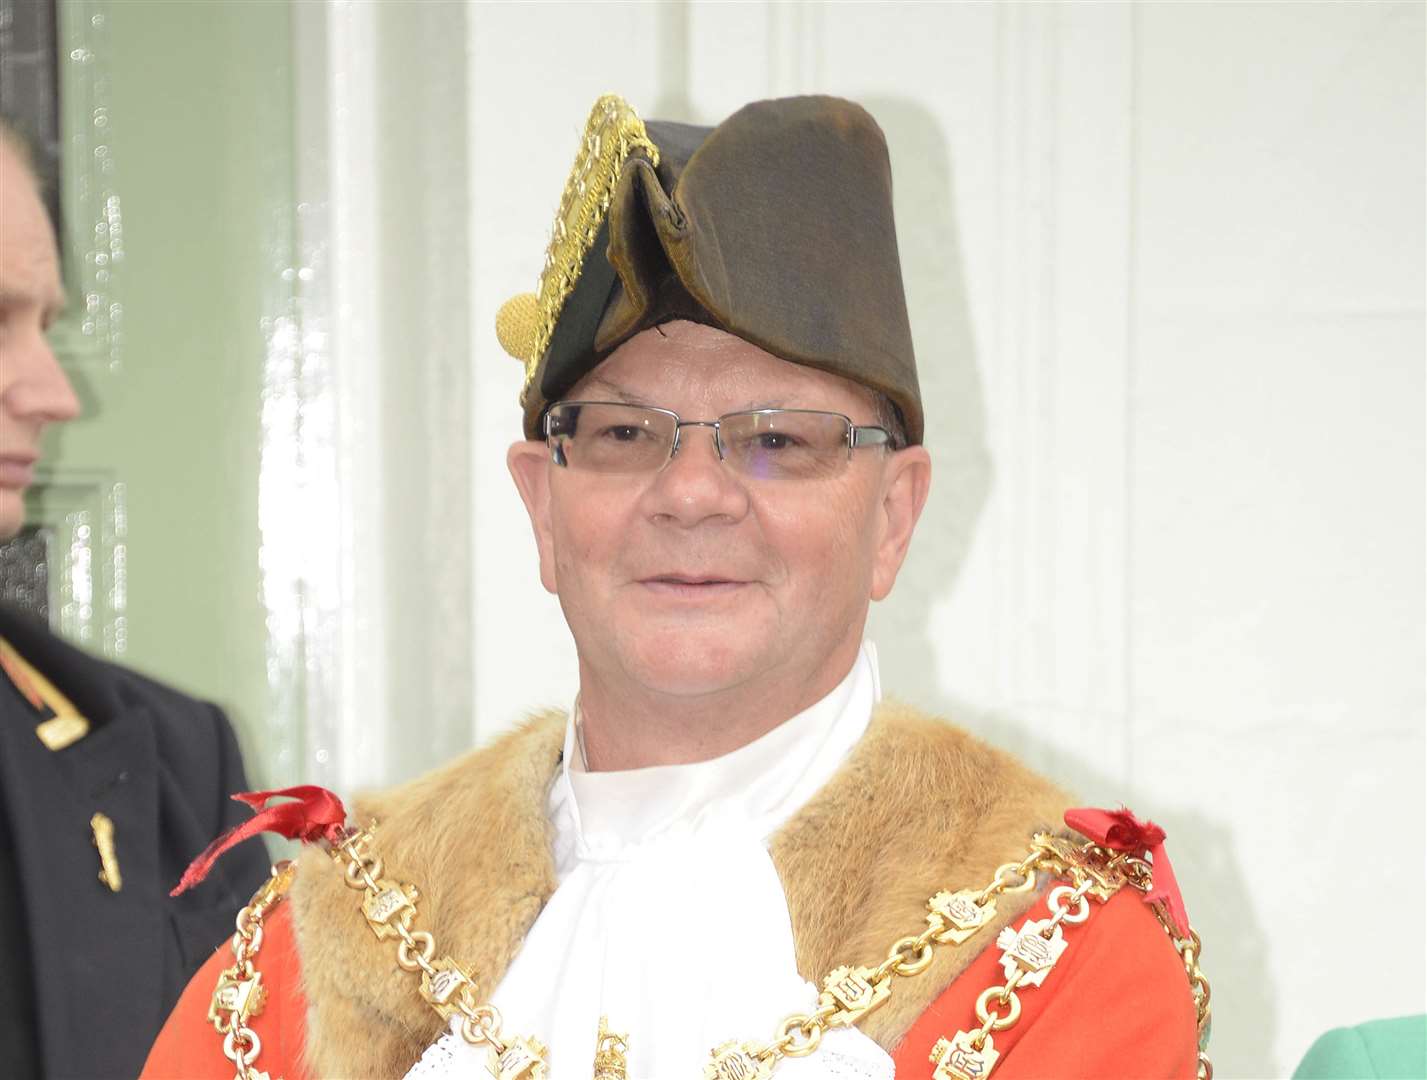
(694, 578)
(33, 389)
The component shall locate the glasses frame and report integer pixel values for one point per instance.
(856, 437)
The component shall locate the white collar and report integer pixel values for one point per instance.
(750, 791)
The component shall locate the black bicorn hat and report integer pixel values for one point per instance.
(775, 226)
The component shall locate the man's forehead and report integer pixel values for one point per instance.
(702, 360)
(29, 263)
(595, 387)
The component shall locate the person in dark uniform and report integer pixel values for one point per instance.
(109, 782)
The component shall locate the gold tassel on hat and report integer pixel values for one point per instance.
(517, 325)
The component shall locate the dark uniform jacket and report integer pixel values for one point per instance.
(87, 974)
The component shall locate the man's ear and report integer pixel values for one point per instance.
(529, 464)
(904, 493)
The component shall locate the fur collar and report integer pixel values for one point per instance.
(918, 806)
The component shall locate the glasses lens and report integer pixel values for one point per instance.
(785, 444)
(610, 438)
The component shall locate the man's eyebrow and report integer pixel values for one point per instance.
(613, 391)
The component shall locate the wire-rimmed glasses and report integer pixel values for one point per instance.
(763, 444)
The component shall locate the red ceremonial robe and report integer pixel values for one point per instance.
(1117, 1003)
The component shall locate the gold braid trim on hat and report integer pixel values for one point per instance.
(849, 994)
(526, 323)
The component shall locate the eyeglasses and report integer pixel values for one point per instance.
(763, 444)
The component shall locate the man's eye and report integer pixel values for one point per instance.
(775, 440)
(621, 432)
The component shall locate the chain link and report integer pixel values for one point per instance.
(1189, 949)
(1067, 904)
(240, 993)
(390, 909)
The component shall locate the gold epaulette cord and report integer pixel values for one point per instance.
(849, 994)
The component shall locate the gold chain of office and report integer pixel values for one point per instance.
(849, 994)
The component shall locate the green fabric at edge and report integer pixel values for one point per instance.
(1379, 1048)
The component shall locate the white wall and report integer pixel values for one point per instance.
(1166, 272)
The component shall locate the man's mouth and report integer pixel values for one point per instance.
(17, 470)
(692, 584)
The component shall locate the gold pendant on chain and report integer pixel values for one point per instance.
(962, 914)
(735, 1061)
(611, 1053)
(1031, 950)
(958, 1058)
(522, 1059)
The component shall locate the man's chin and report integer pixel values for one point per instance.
(695, 666)
(12, 513)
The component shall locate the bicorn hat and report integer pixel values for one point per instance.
(776, 226)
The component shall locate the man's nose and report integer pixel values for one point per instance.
(695, 485)
(35, 387)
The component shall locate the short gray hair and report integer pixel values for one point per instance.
(889, 418)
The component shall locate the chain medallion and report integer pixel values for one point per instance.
(958, 1058)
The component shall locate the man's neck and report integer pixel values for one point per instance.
(629, 727)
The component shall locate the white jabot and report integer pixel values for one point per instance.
(670, 917)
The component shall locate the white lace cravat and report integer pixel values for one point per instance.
(670, 917)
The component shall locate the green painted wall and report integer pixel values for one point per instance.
(200, 128)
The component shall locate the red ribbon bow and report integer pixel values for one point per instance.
(1120, 830)
(316, 815)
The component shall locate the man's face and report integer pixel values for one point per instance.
(33, 389)
(696, 580)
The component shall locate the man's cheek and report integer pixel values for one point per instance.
(578, 559)
(819, 536)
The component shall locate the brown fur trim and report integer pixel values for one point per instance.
(473, 838)
(918, 806)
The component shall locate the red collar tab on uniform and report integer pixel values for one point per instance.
(1120, 830)
(317, 814)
